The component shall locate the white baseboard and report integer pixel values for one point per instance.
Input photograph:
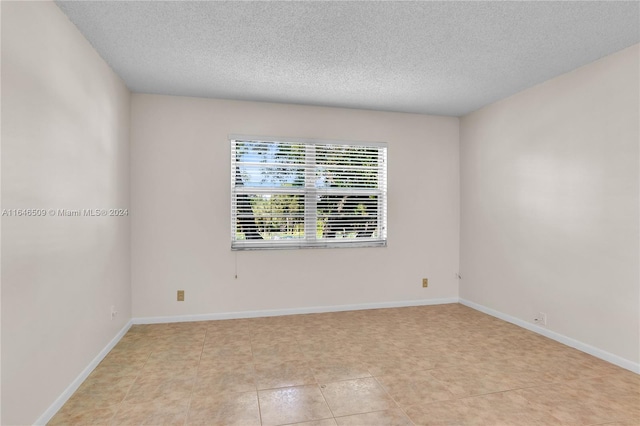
(64, 397)
(591, 350)
(292, 311)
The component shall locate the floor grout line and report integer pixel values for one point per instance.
(438, 344)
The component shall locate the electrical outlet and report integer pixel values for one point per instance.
(180, 295)
(114, 312)
(425, 282)
(541, 318)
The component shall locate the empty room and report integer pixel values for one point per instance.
(320, 213)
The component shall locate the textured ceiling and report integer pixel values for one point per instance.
(447, 58)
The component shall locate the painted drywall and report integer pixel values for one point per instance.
(180, 192)
(549, 200)
(65, 145)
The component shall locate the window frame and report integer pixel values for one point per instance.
(310, 193)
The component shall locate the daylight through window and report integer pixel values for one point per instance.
(307, 193)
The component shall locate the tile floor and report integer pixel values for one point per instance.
(431, 365)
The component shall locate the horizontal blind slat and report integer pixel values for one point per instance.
(298, 194)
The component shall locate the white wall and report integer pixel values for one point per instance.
(180, 191)
(65, 142)
(549, 202)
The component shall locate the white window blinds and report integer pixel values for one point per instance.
(307, 193)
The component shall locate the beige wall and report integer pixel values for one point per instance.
(180, 191)
(65, 144)
(549, 204)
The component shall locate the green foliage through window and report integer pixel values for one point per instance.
(291, 194)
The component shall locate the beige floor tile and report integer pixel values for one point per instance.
(442, 413)
(170, 369)
(284, 374)
(160, 390)
(292, 405)
(275, 353)
(177, 351)
(377, 418)
(221, 364)
(232, 333)
(225, 409)
(419, 357)
(356, 396)
(222, 358)
(106, 386)
(84, 412)
(114, 373)
(323, 422)
(589, 401)
(417, 388)
(395, 362)
(615, 387)
(469, 381)
(152, 412)
(575, 412)
(320, 349)
(230, 350)
(99, 397)
(125, 360)
(241, 379)
(629, 422)
(272, 337)
(332, 369)
(510, 408)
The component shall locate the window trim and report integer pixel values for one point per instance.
(237, 245)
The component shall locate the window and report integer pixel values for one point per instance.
(305, 193)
